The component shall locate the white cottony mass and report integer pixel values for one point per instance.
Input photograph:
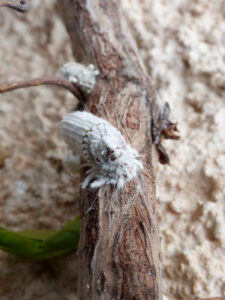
(83, 76)
(102, 146)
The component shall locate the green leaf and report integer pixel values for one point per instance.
(37, 234)
(41, 244)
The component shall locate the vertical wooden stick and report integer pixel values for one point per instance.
(120, 246)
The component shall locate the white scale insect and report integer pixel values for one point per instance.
(102, 146)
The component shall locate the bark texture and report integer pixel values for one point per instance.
(119, 247)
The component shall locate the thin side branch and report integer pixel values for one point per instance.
(172, 298)
(22, 7)
(163, 127)
(42, 81)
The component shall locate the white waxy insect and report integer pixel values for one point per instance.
(102, 146)
(83, 76)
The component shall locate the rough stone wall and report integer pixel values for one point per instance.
(182, 44)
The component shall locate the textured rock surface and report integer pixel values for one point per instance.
(182, 44)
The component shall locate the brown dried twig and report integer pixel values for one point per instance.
(217, 298)
(42, 81)
(163, 127)
(22, 7)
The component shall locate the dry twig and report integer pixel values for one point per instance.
(57, 81)
(217, 298)
(22, 7)
(119, 247)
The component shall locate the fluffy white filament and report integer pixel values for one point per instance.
(111, 159)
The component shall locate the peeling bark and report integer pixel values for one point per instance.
(119, 248)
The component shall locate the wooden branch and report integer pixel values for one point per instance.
(119, 247)
(21, 7)
(217, 298)
(172, 298)
(57, 81)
